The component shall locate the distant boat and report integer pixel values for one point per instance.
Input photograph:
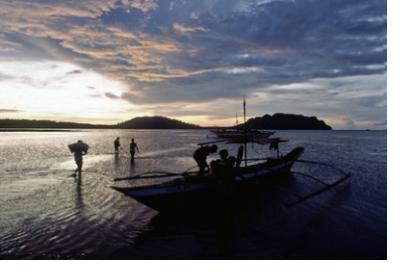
(235, 134)
(238, 134)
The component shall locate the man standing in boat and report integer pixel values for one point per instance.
(133, 148)
(223, 167)
(200, 156)
(117, 145)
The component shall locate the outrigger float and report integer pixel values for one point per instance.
(192, 191)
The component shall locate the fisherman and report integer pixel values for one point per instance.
(78, 149)
(200, 156)
(274, 145)
(117, 145)
(226, 160)
(223, 167)
(133, 148)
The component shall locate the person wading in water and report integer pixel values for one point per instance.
(78, 149)
(133, 148)
(117, 145)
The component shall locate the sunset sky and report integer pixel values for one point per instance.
(107, 61)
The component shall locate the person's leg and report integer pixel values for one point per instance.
(77, 169)
(80, 167)
(198, 162)
(132, 156)
(202, 165)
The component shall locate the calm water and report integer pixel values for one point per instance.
(45, 213)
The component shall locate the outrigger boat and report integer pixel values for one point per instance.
(194, 191)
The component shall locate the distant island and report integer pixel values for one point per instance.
(286, 121)
(276, 121)
(13, 123)
(156, 122)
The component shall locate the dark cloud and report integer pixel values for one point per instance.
(111, 96)
(74, 72)
(9, 111)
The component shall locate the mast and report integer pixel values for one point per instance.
(245, 131)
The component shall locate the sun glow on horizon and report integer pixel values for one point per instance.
(62, 92)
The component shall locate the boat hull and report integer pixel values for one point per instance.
(196, 192)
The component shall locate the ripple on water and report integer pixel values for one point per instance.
(47, 214)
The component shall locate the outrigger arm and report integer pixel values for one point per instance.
(327, 185)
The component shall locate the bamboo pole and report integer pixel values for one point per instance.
(245, 132)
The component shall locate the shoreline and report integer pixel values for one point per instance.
(81, 129)
(37, 130)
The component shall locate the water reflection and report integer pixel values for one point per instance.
(116, 161)
(78, 192)
(44, 210)
(132, 169)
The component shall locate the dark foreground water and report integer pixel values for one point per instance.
(46, 214)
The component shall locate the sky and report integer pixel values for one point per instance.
(108, 61)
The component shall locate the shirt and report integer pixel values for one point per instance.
(133, 146)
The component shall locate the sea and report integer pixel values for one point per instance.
(45, 213)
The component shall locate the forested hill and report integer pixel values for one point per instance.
(16, 123)
(286, 121)
(156, 122)
(135, 123)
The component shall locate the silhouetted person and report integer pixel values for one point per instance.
(78, 149)
(223, 154)
(223, 167)
(117, 145)
(230, 162)
(274, 146)
(133, 148)
(200, 156)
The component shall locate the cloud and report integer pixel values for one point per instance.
(74, 72)
(204, 51)
(187, 29)
(9, 111)
(382, 123)
(111, 95)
